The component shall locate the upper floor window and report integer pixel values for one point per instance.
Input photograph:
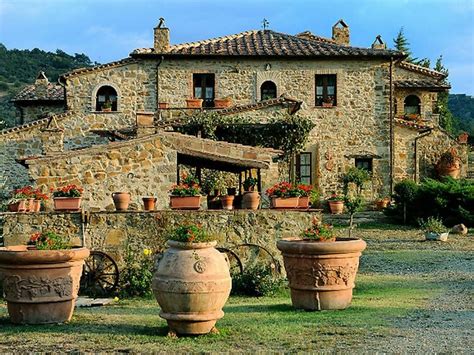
(364, 164)
(412, 105)
(106, 99)
(304, 168)
(204, 88)
(268, 90)
(326, 90)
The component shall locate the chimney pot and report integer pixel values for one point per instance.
(340, 33)
(162, 37)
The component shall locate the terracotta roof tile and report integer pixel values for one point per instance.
(419, 69)
(98, 67)
(43, 92)
(421, 84)
(267, 43)
(411, 124)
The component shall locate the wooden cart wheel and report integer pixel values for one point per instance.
(234, 260)
(100, 275)
(253, 254)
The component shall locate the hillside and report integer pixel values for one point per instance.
(20, 67)
(462, 106)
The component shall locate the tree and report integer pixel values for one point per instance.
(402, 45)
(446, 118)
(353, 184)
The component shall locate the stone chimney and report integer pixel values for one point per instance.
(52, 138)
(340, 33)
(162, 37)
(41, 84)
(379, 43)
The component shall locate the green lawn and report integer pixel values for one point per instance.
(395, 289)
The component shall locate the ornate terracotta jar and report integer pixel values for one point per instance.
(321, 274)
(41, 286)
(191, 284)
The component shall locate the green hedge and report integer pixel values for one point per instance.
(450, 199)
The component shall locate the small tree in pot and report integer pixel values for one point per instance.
(353, 184)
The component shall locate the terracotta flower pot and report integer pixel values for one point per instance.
(222, 103)
(227, 202)
(213, 202)
(191, 284)
(30, 205)
(121, 200)
(185, 202)
(284, 202)
(382, 204)
(194, 103)
(149, 203)
(336, 207)
(321, 275)
(36, 205)
(41, 286)
(303, 202)
(67, 203)
(449, 170)
(19, 206)
(163, 105)
(106, 109)
(251, 200)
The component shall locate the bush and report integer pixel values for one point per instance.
(449, 199)
(256, 281)
(136, 277)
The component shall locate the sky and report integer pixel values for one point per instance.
(107, 30)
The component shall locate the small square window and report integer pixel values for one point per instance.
(364, 164)
(326, 90)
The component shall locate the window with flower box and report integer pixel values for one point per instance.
(326, 90)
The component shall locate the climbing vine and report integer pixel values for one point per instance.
(283, 131)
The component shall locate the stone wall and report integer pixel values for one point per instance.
(112, 232)
(33, 112)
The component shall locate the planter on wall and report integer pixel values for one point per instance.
(121, 200)
(41, 286)
(303, 202)
(227, 202)
(163, 105)
(449, 170)
(251, 200)
(336, 207)
(67, 203)
(194, 103)
(284, 202)
(185, 202)
(191, 284)
(321, 275)
(149, 203)
(19, 206)
(222, 103)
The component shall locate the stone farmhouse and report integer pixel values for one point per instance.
(371, 109)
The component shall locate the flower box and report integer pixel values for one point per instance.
(67, 203)
(284, 202)
(185, 202)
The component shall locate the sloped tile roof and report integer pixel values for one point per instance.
(37, 92)
(266, 43)
(42, 121)
(115, 64)
(421, 84)
(419, 69)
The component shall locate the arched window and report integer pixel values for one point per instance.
(106, 97)
(412, 105)
(268, 90)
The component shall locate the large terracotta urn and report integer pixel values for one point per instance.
(191, 284)
(41, 286)
(251, 200)
(321, 274)
(121, 200)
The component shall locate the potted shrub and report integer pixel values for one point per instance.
(194, 103)
(336, 203)
(227, 201)
(353, 184)
(121, 200)
(434, 229)
(192, 281)
(187, 194)
(41, 280)
(67, 198)
(305, 192)
(223, 103)
(283, 195)
(107, 106)
(449, 164)
(320, 268)
(149, 203)
(251, 198)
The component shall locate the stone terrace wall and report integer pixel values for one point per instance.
(112, 232)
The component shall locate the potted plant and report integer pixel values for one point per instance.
(163, 105)
(223, 103)
(320, 268)
(19, 201)
(41, 280)
(192, 281)
(39, 199)
(382, 203)
(194, 103)
(121, 200)
(227, 201)
(305, 192)
(284, 195)
(212, 185)
(336, 203)
(328, 101)
(149, 203)
(353, 184)
(67, 198)
(449, 164)
(107, 106)
(434, 229)
(251, 198)
(187, 194)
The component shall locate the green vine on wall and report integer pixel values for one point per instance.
(283, 131)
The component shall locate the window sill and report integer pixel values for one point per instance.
(105, 112)
(325, 108)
